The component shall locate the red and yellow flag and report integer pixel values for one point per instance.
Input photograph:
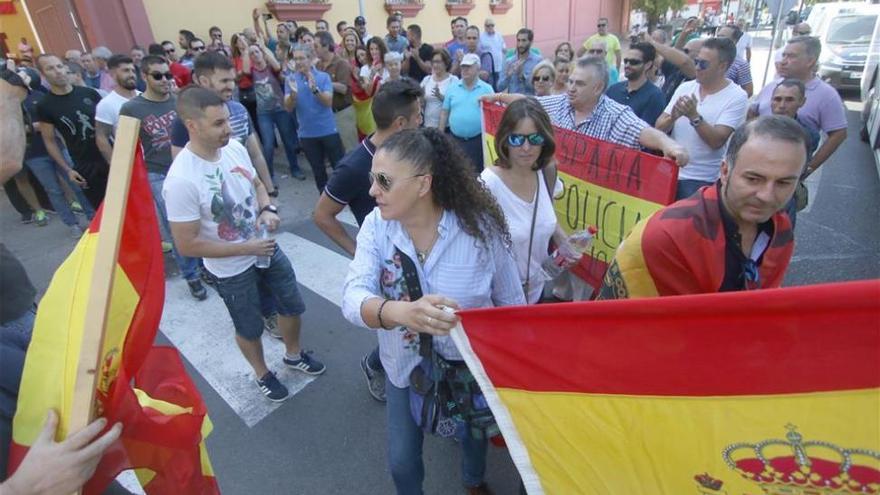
(164, 418)
(761, 392)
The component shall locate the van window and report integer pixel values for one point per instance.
(851, 30)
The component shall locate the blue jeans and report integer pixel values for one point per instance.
(688, 187)
(15, 337)
(283, 120)
(45, 171)
(317, 150)
(243, 294)
(405, 447)
(189, 267)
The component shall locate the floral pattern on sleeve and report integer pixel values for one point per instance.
(393, 287)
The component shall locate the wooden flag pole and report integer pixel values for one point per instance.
(110, 234)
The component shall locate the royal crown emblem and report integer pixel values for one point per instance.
(797, 467)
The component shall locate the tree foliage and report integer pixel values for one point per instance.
(655, 9)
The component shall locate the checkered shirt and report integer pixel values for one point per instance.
(610, 121)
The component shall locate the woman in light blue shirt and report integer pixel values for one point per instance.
(432, 208)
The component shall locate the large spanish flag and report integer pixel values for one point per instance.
(774, 391)
(143, 386)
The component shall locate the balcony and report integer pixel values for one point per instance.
(409, 8)
(500, 6)
(459, 7)
(298, 10)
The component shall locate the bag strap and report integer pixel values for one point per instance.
(531, 238)
(414, 288)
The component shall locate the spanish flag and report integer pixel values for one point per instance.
(761, 392)
(140, 385)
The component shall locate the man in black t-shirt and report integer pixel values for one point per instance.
(71, 110)
(395, 107)
(417, 63)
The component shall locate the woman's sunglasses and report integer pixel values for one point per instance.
(385, 182)
(541, 78)
(517, 140)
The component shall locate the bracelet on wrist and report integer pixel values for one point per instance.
(379, 314)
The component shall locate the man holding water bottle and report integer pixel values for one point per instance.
(217, 207)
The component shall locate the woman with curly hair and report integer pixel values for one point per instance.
(432, 210)
(521, 181)
(564, 50)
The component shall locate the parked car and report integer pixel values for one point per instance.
(871, 97)
(845, 45)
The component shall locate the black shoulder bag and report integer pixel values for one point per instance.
(443, 395)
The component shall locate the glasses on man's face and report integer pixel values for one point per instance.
(701, 63)
(541, 79)
(169, 51)
(158, 76)
(803, 33)
(595, 51)
(601, 25)
(517, 140)
(385, 182)
(490, 25)
(633, 61)
(198, 48)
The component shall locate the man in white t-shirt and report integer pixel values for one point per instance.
(216, 206)
(124, 73)
(703, 113)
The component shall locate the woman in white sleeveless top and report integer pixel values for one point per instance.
(519, 181)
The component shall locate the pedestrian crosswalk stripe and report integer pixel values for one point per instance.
(202, 331)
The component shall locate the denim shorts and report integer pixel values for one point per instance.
(241, 294)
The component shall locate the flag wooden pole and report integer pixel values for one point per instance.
(82, 411)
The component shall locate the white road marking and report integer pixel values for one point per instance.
(202, 330)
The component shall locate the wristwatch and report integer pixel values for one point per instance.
(316, 91)
(697, 121)
(270, 208)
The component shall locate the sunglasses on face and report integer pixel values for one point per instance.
(385, 182)
(157, 76)
(802, 33)
(601, 25)
(701, 63)
(632, 61)
(490, 25)
(517, 140)
(596, 51)
(541, 79)
(198, 48)
(170, 50)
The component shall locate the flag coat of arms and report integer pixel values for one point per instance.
(762, 392)
(145, 387)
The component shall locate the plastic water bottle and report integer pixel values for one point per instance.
(580, 241)
(263, 261)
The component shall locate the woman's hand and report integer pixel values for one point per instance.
(425, 315)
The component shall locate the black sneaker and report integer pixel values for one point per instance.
(272, 388)
(207, 278)
(375, 380)
(306, 364)
(197, 289)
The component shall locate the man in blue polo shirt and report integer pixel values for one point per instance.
(310, 92)
(396, 107)
(461, 109)
(645, 99)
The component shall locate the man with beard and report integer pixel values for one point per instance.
(155, 108)
(107, 111)
(71, 110)
(645, 99)
(732, 235)
(516, 73)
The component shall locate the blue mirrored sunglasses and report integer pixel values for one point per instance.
(517, 140)
(701, 63)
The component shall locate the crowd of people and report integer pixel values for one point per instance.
(397, 122)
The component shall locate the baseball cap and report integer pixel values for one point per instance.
(470, 59)
(360, 20)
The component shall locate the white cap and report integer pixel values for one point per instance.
(470, 59)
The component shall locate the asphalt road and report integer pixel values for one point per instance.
(330, 437)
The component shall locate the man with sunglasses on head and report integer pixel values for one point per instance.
(645, 99)
(703, 113)
(612, 44)
(396, 107)
(155, 108)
